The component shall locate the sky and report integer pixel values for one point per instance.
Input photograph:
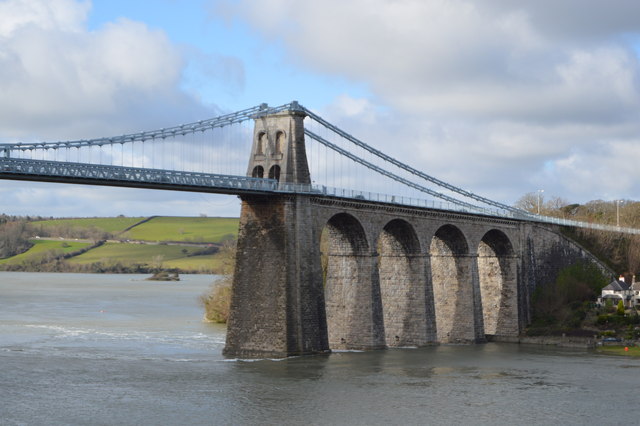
(498, 97)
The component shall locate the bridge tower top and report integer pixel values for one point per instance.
(278, 150)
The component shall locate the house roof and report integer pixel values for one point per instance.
(616, 285)
(635, 285)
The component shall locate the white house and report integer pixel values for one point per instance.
(619, 290)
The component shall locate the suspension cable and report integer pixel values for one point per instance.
(389, 174)
(221, 121)
(410, 169)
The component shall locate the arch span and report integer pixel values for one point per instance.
(452, 275)
(352, 292)
(497, 273)
(403, 286)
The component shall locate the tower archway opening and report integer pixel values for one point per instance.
(274, 172)
(258, 172)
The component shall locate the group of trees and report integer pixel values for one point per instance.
(66, 230)
(626, 213)
(564, 304)
(14, 237)
(16, 234)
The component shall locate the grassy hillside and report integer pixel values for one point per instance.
(44, 248)
(121, 252)
(187, 229)
(106, 224)
(150, 256)
(187, 244)
(206, 263)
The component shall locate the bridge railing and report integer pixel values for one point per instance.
(328, 191)
(442, 205)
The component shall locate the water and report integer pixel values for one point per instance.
(114, 349)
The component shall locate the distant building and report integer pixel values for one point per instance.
(635, 291)
(619, 290)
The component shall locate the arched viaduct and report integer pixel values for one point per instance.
(315, 273)
(392, 276)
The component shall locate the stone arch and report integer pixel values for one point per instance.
(258, 172)
(280, 141)
(352, 293)
(402, 285)
(452, 280)
(497, 274)
(274, 172)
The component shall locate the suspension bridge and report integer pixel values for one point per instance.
(409, 259)
(209, 156)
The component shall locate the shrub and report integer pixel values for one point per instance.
(217, 301)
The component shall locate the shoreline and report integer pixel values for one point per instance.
(558, 341)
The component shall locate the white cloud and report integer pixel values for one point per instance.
(59, 81)
(495, 96)
(65, 15)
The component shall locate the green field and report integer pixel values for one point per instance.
(42, 248)
(134, 253)
(187, 229)
(106, 224)
(206, 263)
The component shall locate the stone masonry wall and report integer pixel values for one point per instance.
(545, 253)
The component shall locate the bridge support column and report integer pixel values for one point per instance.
(277, 305)
(478, 318)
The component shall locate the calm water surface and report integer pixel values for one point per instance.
(115, 349)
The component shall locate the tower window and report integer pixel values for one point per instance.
(262, 137)
(280, 141)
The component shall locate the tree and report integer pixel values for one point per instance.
(529, 202)
(555, 207)
(620, 309)
(14, 238)
(561, 303)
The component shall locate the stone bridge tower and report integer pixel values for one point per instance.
(277, 305)
(278, 150)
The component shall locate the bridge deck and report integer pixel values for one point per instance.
(132, 177)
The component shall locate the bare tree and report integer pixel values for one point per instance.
(529, 202)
